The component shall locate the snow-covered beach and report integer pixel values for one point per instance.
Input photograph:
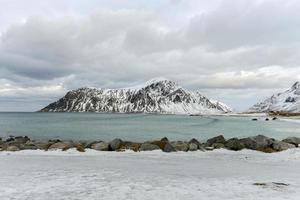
(219, 174)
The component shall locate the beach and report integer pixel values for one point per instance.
(218, 174)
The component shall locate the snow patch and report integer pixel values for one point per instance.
(215, 175)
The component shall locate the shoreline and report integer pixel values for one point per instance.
(258, 143)
(291, 154)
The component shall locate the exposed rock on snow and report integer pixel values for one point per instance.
(193, 147)
(292, 140)
(288, 101)
(218, 139)
(59, 145)
(218, 145)
(169, 148)
(12, 148)
(156, 96)
(101, 146)
(259, 143)
(115, 144)
(180, 145)
(282, 146)
(234, 144)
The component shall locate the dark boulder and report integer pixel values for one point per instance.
(29, 145)
(180, 145)
(266, 149)
(257, 142)
(12, 148)
(218, 145)
(195, 141)
(115, 144)
(163, 145)
(21, 140)
(169, 148)
(217, 139)
(234, 144)
(148, 147)
(18, 141)
(282, 146)
(199, 145)
(10, 139)
(248, 143)
(3, 146)
(60, 145)
(89, 144)
(100, 146)
(83, 143)
(159, 143)
(79, 147)
(292, 140)
(42, 145)
(193, 146)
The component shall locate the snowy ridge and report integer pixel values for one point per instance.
(156, 96)
(288, 101)
(221, 105)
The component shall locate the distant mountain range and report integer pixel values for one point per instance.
(155, 96)
(287, 101)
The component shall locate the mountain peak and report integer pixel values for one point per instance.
(154, 81)
(287, 101)
(158, 95)
(158, 80)
(296, 85)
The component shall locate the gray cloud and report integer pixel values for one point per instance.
(247, 23)
(230, 46)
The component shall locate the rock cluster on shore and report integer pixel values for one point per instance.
(259, 143)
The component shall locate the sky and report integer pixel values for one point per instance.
(236, 51)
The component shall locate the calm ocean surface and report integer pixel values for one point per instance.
(138, 127)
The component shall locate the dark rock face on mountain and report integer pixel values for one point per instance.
(288, 101)
(156, 96)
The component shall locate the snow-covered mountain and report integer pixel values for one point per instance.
(156, 96)
(288, 101)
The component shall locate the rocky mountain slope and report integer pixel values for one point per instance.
(156, 96)
(288, 101)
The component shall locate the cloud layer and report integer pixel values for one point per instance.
(228, 46)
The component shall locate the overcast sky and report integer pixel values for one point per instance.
(236, 51)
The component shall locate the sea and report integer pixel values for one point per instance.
(138, 127)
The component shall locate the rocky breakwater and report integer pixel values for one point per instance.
(258, 143)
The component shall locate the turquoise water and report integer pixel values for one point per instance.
(138, 127)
